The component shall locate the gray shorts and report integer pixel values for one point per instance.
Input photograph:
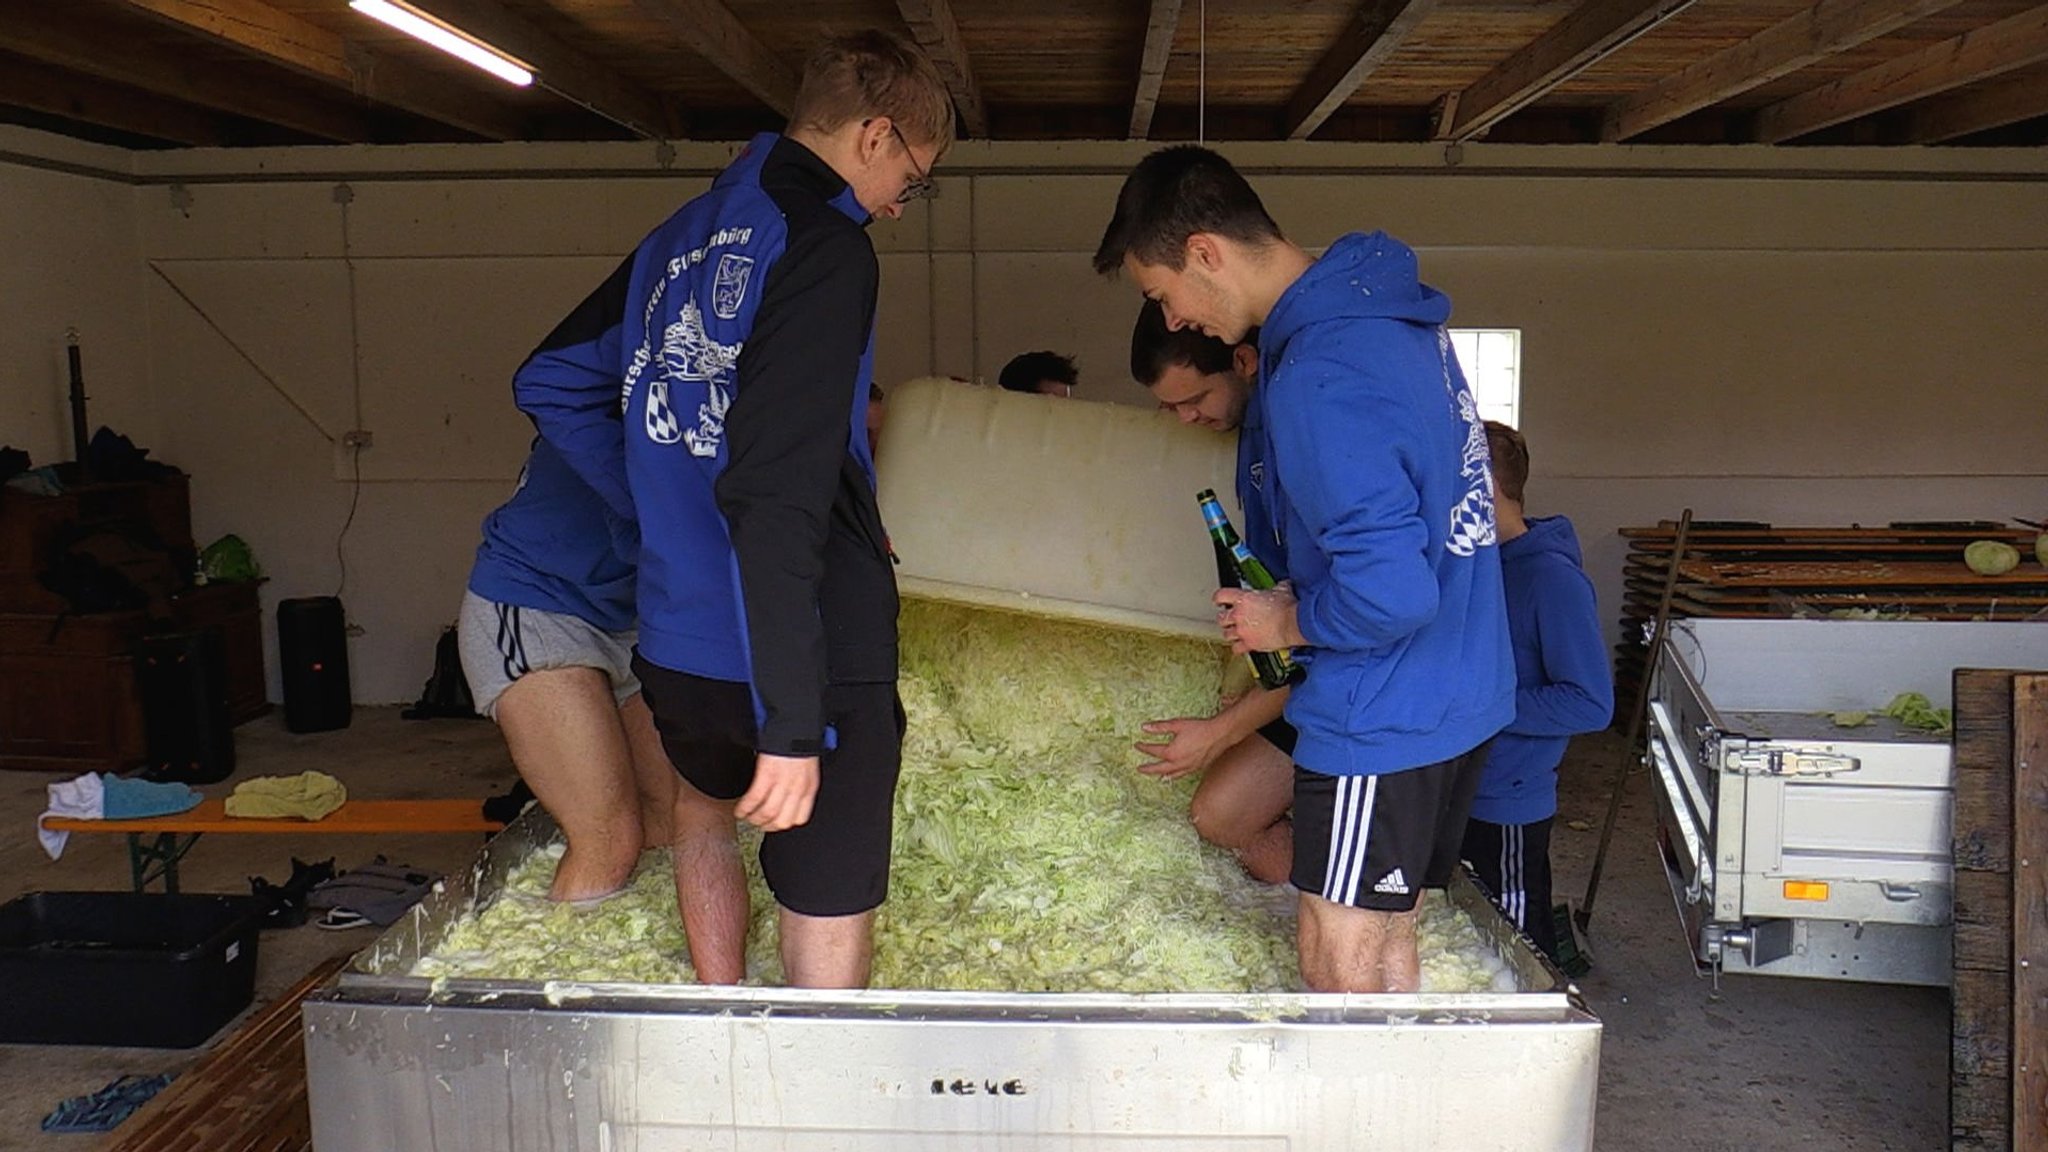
(502, 642)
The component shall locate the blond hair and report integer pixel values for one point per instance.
(872, 73)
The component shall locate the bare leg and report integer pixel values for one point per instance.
(653, 776)
(563, 729)
(1345, 949)
(1242, 805)
(827, 951)
(711, 887)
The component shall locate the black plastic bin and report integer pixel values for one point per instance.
(143, 969)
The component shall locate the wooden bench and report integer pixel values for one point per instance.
(157, 843)
(247, 1095)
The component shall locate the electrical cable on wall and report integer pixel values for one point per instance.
(1202, 73)
(344, 196)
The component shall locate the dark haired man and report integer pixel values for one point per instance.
(1362, 468)
(1244, 751)
(1043, 373)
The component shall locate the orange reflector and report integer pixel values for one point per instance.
(1806, 890)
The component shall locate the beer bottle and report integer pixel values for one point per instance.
(1236, 565)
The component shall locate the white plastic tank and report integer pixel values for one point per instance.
(1059, 507)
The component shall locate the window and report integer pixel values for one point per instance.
(1492, 360)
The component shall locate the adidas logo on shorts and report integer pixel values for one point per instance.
(1393, 883)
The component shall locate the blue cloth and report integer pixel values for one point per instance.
(136, 799)
(557, 547)
(103, 1111)
(1367, 483)
(1562, 683)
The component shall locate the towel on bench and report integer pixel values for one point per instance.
(105, 796)
(306, 796)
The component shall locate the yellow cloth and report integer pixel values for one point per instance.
(307, 796)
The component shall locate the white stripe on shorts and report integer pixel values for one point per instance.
(1350, 833)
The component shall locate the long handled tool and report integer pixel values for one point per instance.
(1583, 917)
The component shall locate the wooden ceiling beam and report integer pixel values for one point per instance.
(1159, 30)
(1995, 105)
(1588, 34)
(57, 34)
(1376, 29)
(1793, 43)
(1976, 55)
(709, 29)
(281, 38)
(932, 24)
(562, 69)
(59, 92)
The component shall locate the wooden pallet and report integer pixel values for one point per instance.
(247, 1095)
(1998, 1064)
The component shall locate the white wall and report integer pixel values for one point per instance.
(1803, 336)
(69, 259)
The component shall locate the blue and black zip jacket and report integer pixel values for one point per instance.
(556, 547)
(736, 345)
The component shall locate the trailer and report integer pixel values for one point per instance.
(1795, 845)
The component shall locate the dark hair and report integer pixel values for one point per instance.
(1510, 459)
(1173, 194)
(872, 73)
(1023, 373)
(1155, 348)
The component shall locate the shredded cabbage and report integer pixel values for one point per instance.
(1028, 855)
(1914, 710)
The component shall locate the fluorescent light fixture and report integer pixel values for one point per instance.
(453, 41)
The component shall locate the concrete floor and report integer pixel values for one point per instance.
(1767, 1064)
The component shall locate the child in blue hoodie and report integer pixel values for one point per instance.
(1362, 468)
(1562, 688)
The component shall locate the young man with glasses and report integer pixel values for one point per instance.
(741, 336)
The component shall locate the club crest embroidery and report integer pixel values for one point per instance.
(729, 285)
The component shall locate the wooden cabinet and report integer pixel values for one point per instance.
(69, 697)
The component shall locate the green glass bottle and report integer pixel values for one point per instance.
(1236, 564)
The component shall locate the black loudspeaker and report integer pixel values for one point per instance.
(312, 654)
(187, 732)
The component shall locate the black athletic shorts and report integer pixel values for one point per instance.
(1280, 734)
(837, 864)
(1376, 842)
(1513, 862)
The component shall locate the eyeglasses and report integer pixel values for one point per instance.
(920, 187)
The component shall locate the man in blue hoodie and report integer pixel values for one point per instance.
(1362, 469)
(1562, 688)
(546, 636)
(740, 337)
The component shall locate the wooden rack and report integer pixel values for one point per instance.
(1744, 569)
